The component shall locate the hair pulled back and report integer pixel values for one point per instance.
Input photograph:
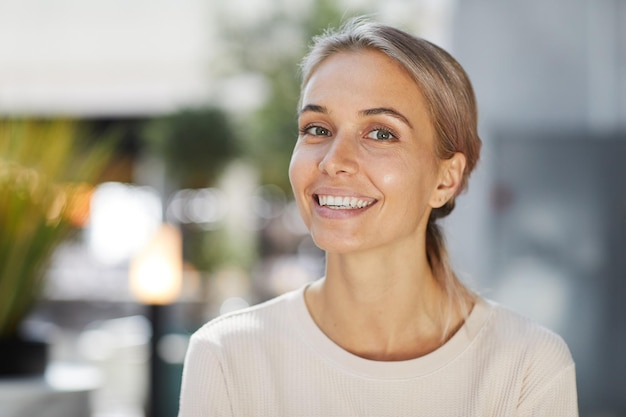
(453, 112)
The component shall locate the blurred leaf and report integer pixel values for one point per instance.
(44, 170)
(195, 144)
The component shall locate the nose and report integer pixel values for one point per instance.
(340, 156)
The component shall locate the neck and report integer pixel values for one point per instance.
(382, 310)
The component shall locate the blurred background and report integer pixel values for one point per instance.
(119, 118)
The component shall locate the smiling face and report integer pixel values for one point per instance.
(364, 170)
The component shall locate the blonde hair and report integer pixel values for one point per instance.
(453, 111)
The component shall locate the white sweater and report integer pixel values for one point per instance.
(272, 360)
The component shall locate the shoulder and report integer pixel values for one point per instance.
(537, 358)
(228, 353)
(521, 333)
(531, 351)
(262, 320)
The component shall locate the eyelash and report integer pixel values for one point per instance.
(305, 130)
(391, 134)
(384, 130)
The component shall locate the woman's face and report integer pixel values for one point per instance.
(364, 171)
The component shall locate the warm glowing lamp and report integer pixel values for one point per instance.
(155, 280)
(156, 272)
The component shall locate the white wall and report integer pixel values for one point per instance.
(111, 57)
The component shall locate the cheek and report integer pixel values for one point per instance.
(409, 178)
(302, 169)
(296, 171)
(398, 186)
(299, 177)
(395, 174)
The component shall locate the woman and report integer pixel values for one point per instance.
(387, 141)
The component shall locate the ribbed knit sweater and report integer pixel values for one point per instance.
(273, 360)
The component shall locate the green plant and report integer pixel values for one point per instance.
(45, 170)
(273, 46)
(195, 145)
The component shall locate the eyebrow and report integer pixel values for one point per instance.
(389, 112)
(315, 108)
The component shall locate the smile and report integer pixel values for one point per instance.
(342, 203)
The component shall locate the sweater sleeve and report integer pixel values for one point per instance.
(558, 399)
(204, 392)
(550, 380)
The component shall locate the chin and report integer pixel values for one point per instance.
(338, 245)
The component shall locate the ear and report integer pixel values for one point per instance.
(449, 180)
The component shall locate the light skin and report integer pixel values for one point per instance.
(366, 177)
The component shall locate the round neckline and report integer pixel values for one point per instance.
(404, 369)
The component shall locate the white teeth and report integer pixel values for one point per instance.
(342, 203)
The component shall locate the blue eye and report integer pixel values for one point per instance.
(315, 131)
(381, 134)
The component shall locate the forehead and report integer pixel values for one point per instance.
(365, 75)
